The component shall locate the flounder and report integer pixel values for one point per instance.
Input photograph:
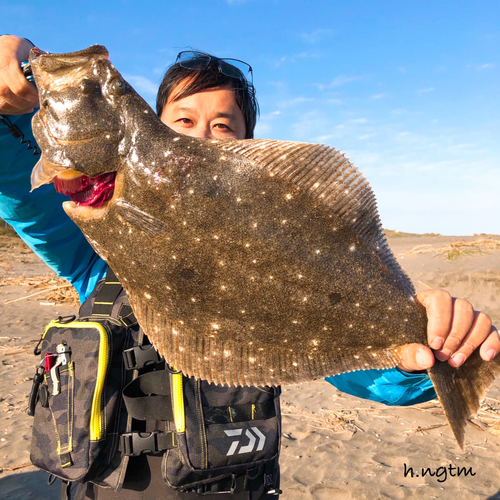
(252, 262)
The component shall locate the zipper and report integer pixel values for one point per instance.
(178, 402)
(96, 420)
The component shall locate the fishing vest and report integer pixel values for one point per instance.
(102, 395)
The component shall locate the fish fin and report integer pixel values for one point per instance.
(138, 218)
(219, 362)
(332, 179)
(461, 390)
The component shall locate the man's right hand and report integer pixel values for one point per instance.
(17, 95)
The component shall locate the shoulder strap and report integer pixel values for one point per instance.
(107, 295)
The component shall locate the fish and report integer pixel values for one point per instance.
(252, 262)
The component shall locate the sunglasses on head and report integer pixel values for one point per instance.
(199, 61)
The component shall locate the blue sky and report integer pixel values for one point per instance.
(408, 90)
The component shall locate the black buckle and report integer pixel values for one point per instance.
(138, 357)
(134, 444)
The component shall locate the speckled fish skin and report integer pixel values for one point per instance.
(246, 262)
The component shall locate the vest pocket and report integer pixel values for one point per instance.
(61, 407)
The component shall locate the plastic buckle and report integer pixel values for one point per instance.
(134, 444)
(138, 357)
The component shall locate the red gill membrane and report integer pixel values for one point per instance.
(87, 191)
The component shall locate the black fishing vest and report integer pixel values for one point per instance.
(102, 396)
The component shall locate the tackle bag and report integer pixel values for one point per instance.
(102, 396)
(76, 397)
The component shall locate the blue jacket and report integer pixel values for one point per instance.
(41, 222)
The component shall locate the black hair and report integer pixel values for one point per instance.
(199, 80)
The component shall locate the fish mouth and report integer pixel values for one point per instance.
(84, 191)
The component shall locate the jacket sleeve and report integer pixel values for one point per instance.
(392, 387)
(39, 218)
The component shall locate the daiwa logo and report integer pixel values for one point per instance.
(252, 440)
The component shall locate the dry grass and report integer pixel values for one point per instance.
(390, 233)
(457, 248)
(335, 421)
(348, 420)
(51, 289)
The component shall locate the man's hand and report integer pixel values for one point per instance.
(17, 95)
(454, 331)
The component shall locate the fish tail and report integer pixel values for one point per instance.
(461, 390)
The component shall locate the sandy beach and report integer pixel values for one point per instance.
(334, 446)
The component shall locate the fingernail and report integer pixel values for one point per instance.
(437, 343)
(458, 359)
(443, 355)
(421, 359)
(490, 354)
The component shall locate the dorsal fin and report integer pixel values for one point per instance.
(331, 178)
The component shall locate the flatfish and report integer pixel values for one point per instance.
(252, 262)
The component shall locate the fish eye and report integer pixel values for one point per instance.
(118, 87)
(86, 86)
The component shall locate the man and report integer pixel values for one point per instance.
(201, 97)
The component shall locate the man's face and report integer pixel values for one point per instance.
(211, 113)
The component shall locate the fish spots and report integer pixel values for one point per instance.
(175, 139)
(215, 326)
(288, 196)
(187, 274)
(352, 248)
(148, 296)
